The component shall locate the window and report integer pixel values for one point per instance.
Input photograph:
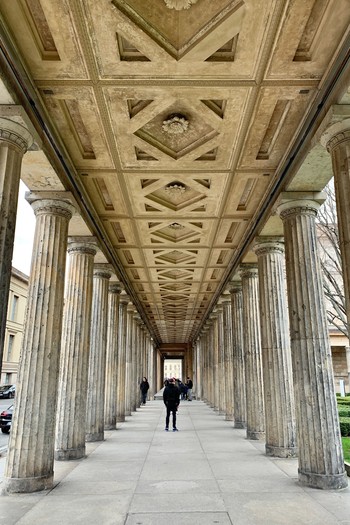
(10, 346)
(14, 308)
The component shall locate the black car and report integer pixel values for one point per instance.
(7, 391)
(6, 419)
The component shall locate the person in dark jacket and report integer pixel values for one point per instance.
(144, 387)
(171, 398)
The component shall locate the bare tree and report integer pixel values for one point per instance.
(329, 248)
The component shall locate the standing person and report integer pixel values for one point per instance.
(144, 387)
(189, 385)
(171, 398)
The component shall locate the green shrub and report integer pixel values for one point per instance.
(344, 411)
(343, 400)
(344, 426)
(346, 448)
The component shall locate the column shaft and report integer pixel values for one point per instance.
(239, 390)
(97, 362)
(30, 458)
(14, 141)
(228, 358)
(321, 463)
(112, 358)
(73, 377)
(276, 356)
(252, 352)
(123, 303)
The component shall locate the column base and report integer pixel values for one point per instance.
(229, 417)
(240, 424)
(111, 426)
(98, 436)
(128, 413)
(322, 481)
(69, 454)
(281, 452)
(255, 435)
(23, 485)
(120, 419)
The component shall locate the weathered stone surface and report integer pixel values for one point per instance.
(239, 390)
(252, 353)
(74, 362)
(228, 359)
(123, 303)
(97, 360)
(30, 459)
(321, 463)
(275, 348)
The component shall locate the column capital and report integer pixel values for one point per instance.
(299, 203)
(82, 244)
(336, 134)
(248, 270)
(60, 202)
(235, 287)
(11, 131)
(124, 298)
(115, 288)
(263, 245)
(103, 270)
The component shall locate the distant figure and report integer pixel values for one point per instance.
(171, 398)
(189, 385)
(183, 389)
(144, 387)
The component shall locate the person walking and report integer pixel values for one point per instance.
(144, 387)
(171, 398)
(189, 385)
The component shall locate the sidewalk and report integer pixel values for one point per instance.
(207, 473)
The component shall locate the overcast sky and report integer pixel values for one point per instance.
(25, 225)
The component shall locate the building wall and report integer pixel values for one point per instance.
(14, 326)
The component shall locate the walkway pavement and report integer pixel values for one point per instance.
(205, 474)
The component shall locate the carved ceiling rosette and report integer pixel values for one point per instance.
(179, 4)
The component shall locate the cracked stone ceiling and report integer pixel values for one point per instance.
(173, 129)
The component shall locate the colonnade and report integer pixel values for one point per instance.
(84, 352)
(260, 364)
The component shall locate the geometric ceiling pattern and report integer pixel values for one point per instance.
(176, 125)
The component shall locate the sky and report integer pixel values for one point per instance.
(24, 234)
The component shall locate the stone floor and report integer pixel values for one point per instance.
(207, 473)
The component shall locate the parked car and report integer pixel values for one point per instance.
(6, 419)
(7, 391)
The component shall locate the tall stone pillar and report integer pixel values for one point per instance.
(14, 142)
(74, 362)
(228, 359)
(112, 357)
(275, 345)
(30, 458)
(97, 362)
(205, 364)
(252, 353)
(215, 365)
(337, 141)
(321, 462)
(210, 364)
(221, 361)
(239, 390)
(128, 360)
(123, 304)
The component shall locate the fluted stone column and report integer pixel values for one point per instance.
(321, 462)
(123, 303)
(275, 344)
(14, 142)
(215, 351)
(128, 370)
(112, 357)
(205, 364)
(74, 362)
(239, 389)
(337, 141)
(221, 361)
(97, 363)
(210, 364)
(228, 359)
(30, 458)
(252, 353)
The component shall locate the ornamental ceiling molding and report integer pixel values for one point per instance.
(179, 4)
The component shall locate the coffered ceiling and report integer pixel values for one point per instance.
(176, 125)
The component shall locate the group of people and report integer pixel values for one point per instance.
(173, 389)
